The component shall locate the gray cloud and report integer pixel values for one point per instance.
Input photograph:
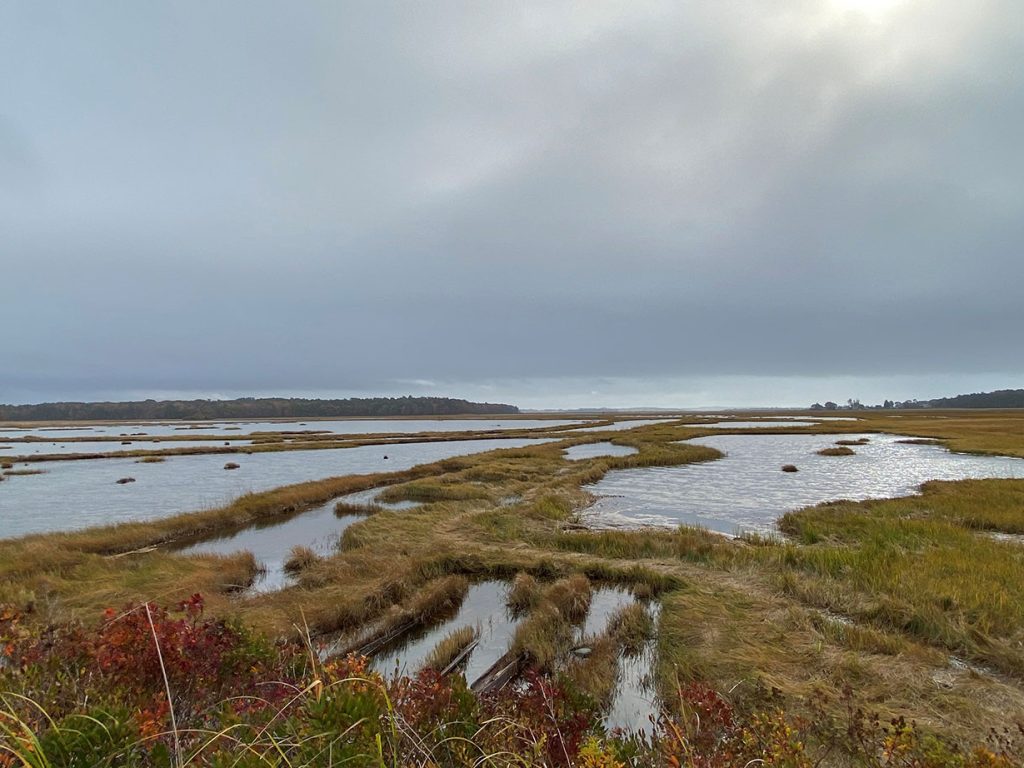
(350, 197)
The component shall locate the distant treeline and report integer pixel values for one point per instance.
(1003, 398)
(250, 408)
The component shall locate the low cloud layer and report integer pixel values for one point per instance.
(515, 199)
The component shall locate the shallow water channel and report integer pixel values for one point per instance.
(484, 607)
(627, 424)
(79, 494)
(320, 529)
(746, 491)
(597, 450)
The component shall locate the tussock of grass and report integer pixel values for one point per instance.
(450, 647)
(859, 441)
(790, 468)
(151, 460)
(571, 596)
(595, 675)
(438, 598)
(632, 627)
(841, 450)
(240, 571)
(524, 594)
(544, 637)
(24, 472)
(300, 559)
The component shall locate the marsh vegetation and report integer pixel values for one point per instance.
(906, 606)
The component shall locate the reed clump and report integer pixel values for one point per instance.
(524, 593)
(632, 627)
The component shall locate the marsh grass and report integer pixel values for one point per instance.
(913, 566)
(524, 594)
(596, 675)
(300, 559)
(430, 491)
(570, 596)
(632, 627)
(912, 579)
(450, 648)
(841, 450)
(543, 637)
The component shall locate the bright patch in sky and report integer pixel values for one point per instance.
(876, 10)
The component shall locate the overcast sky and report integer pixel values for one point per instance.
(706, 203)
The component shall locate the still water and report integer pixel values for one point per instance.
(108, 446)
(596, 450)
(271, 543)
(628, 424)
(236, 428)
(483, 608)
(79, 494)
(746, 491)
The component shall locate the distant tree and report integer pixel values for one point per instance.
(817, 407)
(889, 404)
(830, 406)
(251, 408)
